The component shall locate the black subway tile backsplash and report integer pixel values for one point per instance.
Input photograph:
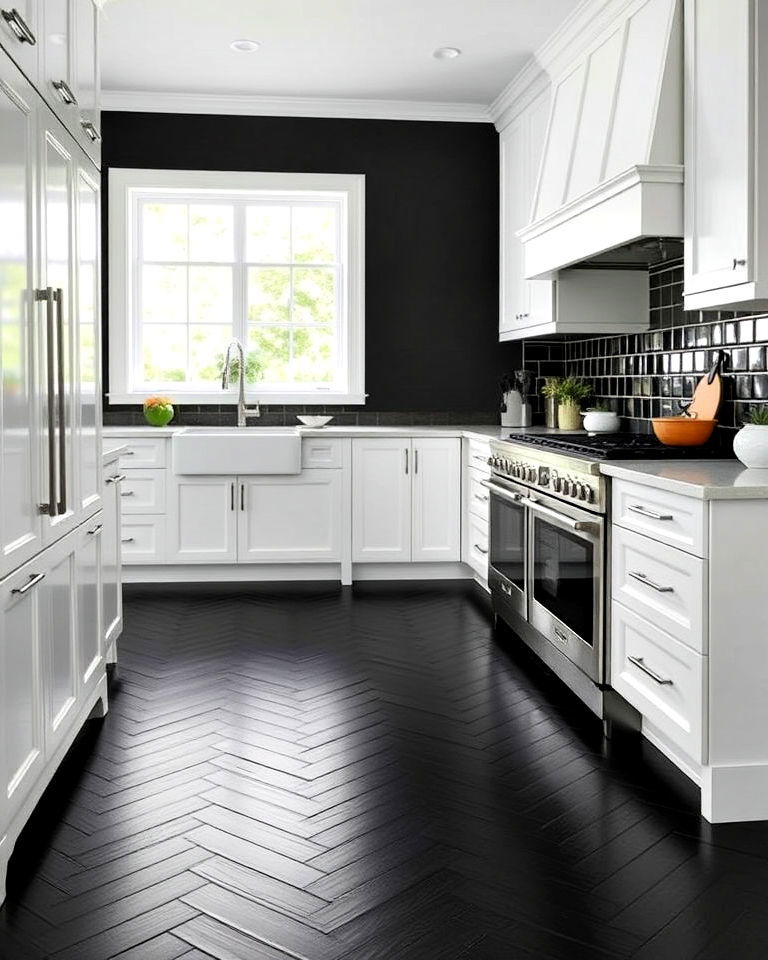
(652, 373)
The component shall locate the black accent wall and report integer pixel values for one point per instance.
(432, 248)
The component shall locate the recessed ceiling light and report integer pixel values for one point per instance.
(245, 46)
(446, 53)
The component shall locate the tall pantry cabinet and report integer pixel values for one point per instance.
(52, 666)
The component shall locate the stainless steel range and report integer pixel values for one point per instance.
(548, 549)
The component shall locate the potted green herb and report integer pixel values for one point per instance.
(751, 442)
(549, 392)
(570, 392)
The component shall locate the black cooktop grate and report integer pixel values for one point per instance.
(615, 446)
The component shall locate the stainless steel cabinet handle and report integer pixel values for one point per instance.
(645, 512)
(476, 456)
(640, 664)
(64, 91)
(93, 134)
(129, 453)
(96, 529)
(406, 460)
(481, 499)
(117, 478)
(34, 579)
(416, 460)
(17, 23)
(480, 549)
(47, 295)
(232, 496)
(127, 539)
(127, 493)
(560, 636)
(637, 575)
(739, 263)
(242, 496)
(59, 301)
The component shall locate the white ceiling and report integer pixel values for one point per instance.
(362, 49)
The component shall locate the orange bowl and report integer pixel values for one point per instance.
(683, 431)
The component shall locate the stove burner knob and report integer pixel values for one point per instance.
(567, 486)
(589, 493)
(578, 491)
(530, 474)
(557, 484)
(507, 466)
(491, 461)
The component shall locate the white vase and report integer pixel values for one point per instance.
(751, 445)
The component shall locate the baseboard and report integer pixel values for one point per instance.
(735, 793)
(681, 760)
(264, 572)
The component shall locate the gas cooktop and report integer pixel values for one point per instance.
(614, 446)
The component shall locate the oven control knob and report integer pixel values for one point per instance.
(530, 474)
(567, 486)
(557, 484)
(589, 493)
(517, 469)
(578, 490)
(507, 466)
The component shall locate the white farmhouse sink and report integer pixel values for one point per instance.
(237, 450)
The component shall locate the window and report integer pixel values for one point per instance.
(274, 260)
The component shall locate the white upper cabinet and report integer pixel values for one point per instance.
(85, 73)
(726, 230)
(21, 33)
(20, 524)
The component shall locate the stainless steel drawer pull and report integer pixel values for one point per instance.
(127, 493)
(739, 263)
(34, 579)
(480, 549)
(129, 453)
(64, 91)
(481, 499)
(93, 134)
(505, 588)
(560, 636)
(117, 478)
(476, 456)
(645, 512)
(637, 575)
(127, 539)
(96, 529)
(17, 23)
(657, 678)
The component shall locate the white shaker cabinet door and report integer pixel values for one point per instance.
(381, 500)
(89, 560)
(22, 731)
(111, 560)
(202, 519)
(291, 518)
(21, 33)
(20, 522)
(436, 518)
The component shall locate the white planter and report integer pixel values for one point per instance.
(601, 421)
(751, 445)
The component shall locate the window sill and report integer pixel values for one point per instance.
(223, 399)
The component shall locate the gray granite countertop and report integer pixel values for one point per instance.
(702, 479)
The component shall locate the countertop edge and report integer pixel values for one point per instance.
(698, 491)
(114, 453)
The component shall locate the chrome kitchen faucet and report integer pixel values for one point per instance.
(243, 412)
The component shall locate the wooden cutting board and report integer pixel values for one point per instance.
(708, 393)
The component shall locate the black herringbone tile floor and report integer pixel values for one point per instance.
(303, 772)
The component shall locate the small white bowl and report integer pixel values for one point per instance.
(600, 421)
(314, 422)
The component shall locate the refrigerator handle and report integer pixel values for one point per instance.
(47, 295)
(62, 504)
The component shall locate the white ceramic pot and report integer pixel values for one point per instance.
(601, 421)
(751, 445)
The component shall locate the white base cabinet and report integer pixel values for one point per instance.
(111, 562)
(51, 670)
(406, 500)
(202, 520)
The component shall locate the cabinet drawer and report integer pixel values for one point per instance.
(143, 452)
(663, 584)
(143, 491)
(668, 517)
(477, 547)
(319, 452)
(477, 494)
(661, 677)
(477, 456)
(142, 539)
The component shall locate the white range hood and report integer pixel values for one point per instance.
(611, 170)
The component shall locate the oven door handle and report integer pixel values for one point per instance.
(586, 526)
(504, 494)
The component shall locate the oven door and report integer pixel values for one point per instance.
(566, 581)
(508, 543)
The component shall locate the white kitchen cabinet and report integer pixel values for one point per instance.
(202, 519)
(436, 502)
(84, 16)
(381, 500)
(111, 562)
(86, 335)
(726, 210)
(89, 559)
(406, 500)
(20, 522)
(291, 518)
(21, 33)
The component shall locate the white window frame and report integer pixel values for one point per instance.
(127, 186)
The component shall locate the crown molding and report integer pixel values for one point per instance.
(554, 56)
(134, 101)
